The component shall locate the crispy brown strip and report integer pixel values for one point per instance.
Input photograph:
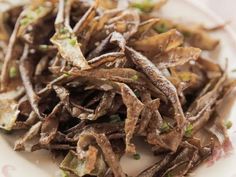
(106, 148)
(157, 78)
(25, 71)
(134, 109)
(50, 125)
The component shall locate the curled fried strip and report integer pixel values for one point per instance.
(157, 43)
(104, 106)
(208, 98)
(114, 38)
(82, 167)
(145, 27)
(66, 41)
(134, 109)
(63, 94)
(8, 57)
(50, 125)
(109, 57)
(147, 114)
(126, 23)
(34, 130)
(84, 21)
(8, 114)
(176, 57)
(159, 81)
(87, 136)
(25, 71)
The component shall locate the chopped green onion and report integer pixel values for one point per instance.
(63, 31)
(165, 127)
(24, 21)
(64, 174)
(73, 42)
(136, 156)
(228, 124)
(39, 9)
(161, 28)
(115, 118)
(189, 130)
(144, 5)
(134, 77)
(43, 47)
(169, 175)
(66, 74)
(13, 72)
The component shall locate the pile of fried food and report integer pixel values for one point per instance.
(82, 79)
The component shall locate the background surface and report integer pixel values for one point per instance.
(226, 9)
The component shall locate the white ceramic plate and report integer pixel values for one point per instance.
(39, 164)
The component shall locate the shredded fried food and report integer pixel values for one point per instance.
(84, 78)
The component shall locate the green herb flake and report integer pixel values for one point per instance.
(161, 28)
(39, 10)
(228, 124)
(63, 31)
(73, 41)
(24, 21)
(144, 5)
(66, 74)
(64, 174)
(165, 127)
(13, 72)
(134, 77)
(169, 175)
(189, 130)
(43, 47)
(115, 118)
(136, 156)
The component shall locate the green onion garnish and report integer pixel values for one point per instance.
(43, 47)
(165, 127)
(189, 130)
(64, 174)
(134, 77)
(73, 42)
(66, 74)
(136, 156)
(161, 28)
(13, 72)
(228, 124)
(144, 5)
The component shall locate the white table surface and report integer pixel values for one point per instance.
(226, 9)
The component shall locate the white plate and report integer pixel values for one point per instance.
(39, 164)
